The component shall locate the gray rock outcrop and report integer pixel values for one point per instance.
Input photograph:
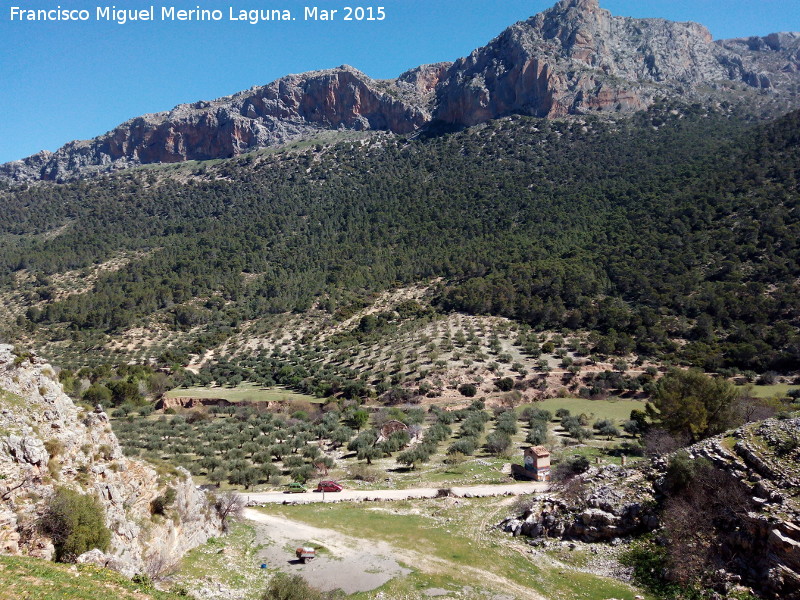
(46, 441)
(761, 548)
(615, 503)
(577, 58)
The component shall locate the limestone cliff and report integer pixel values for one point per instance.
(46, 441)
(290, 108)
(765, 459)
(577, 58)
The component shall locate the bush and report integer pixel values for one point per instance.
(362, 472)
(468, 390)
(293, 587)
(537, 435)
(537, 414)
(464, 446)
(570, 467)
(302, 474)
(161, 503)
(505, 384)
(454, 459)
(497, 442)
(76, 524)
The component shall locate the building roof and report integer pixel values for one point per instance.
(540, 451)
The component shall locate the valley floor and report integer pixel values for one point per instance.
(402, 550)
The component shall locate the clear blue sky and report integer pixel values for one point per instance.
(65, 80)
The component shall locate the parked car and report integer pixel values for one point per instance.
(329, 486)
(294, 488)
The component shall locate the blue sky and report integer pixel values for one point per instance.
(61, 81)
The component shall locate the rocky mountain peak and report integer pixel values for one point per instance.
(574, 58)
(580, 26)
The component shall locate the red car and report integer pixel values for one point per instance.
(329, 486)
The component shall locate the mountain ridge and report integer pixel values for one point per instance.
(574, 58)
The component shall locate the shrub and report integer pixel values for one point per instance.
(468, 390)
(454, 459)
(606, 428)
(161, 503)
(464, 446)
(410, 458)
(76, 524)
(537, 414)
(570, 467)
(497, 442)
(302, 473)
(363, 472)
(537, 434)
(292, 587)
(505, 384)
(54, 447)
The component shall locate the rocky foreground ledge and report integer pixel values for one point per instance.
(46, 442)
(612, 503)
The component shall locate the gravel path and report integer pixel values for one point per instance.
(350, 563)
(358, 564)
(477, 491)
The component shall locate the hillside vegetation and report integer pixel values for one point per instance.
(22, 578)
(672, 234)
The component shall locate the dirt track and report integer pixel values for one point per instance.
(357, 564)
(350, 563)
(478, 491)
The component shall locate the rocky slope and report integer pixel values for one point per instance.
(571, 59)
(765, 459)
(763, 548)
(602, 505)
(46, 441)
(290, 108)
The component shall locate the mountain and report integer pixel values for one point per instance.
(672, 233)
(577, 58)
(572, 59)
(290, 108)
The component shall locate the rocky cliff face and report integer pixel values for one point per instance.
(613, 502)
(765, 459)
(577, 58)
(290, 108)
(571, 59)
(46, 441)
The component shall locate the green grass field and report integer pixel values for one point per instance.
(616, 409)
(459, 538)
(770, 391)
(243, 392)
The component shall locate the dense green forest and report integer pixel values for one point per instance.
(674, 233)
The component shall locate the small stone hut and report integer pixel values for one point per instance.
(537, 463)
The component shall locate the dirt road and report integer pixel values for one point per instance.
(350, 563)
(357, 564)
(478, 491)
